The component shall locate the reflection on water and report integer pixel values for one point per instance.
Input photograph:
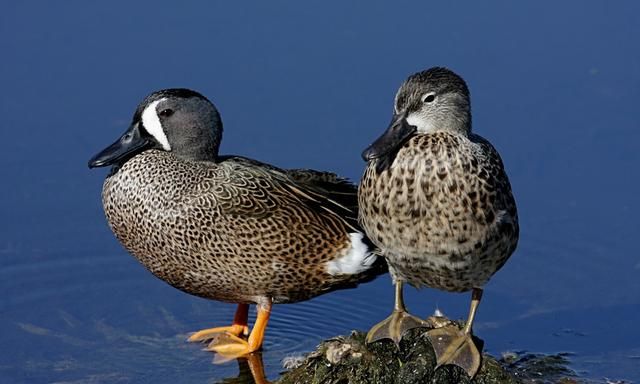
(125, 325)
(251, 370)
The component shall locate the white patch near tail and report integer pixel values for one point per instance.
(151, 122)
(357, 259)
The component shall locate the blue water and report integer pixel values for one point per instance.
(555, 86)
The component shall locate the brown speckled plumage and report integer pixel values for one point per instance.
(226, 227)
(436, 200)
(442, 213)
(234, 230)
(438, 204)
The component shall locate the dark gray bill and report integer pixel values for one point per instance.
(129, 144)
(398, 132)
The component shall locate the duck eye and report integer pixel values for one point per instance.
(428, 98)
(166, 112)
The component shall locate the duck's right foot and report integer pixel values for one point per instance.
(453, 346)
(239, 328)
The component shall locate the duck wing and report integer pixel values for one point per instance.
(248, 187)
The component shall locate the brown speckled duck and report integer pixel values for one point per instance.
(226, 227)
(437, 201)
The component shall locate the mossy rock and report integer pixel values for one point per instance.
(349, 360)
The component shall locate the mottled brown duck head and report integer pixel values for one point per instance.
(429, 101)
(175, 120)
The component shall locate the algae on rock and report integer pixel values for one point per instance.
(349, 360)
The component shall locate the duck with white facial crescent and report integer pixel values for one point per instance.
(228, 228)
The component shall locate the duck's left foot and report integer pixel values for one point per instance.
(394, 326)
(230, 346)
(454, 346)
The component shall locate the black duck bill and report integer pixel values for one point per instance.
(398, 133)
(132, 142)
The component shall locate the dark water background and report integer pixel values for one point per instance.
(555, 86)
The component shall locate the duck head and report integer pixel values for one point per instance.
(433, 100)
(175, 120)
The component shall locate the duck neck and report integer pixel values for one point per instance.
(203, 145)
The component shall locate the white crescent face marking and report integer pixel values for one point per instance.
(151, 122)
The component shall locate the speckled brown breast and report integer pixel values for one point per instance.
(442, 212)
(233, 231)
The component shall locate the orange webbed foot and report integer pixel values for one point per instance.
(238, 328)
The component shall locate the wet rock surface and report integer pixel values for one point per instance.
(349, 360)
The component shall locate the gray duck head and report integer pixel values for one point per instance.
(175, 120)
(429, 101)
